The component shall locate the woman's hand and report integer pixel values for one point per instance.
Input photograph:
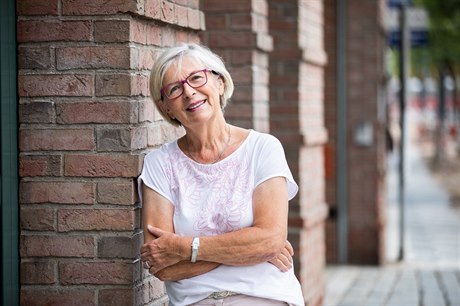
(283, 261)
(163, 251)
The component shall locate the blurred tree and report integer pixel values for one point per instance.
(443, 55)
(444, 33)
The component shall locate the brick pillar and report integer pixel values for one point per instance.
(238, 31)
(365, 44)
(296, 118)
(366, 104)
(85, 122)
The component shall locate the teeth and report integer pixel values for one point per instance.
(195, 106)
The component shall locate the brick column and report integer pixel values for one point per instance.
(366, 105)
(296, 118)
(365, 44)
(238, 31)
(85, 122)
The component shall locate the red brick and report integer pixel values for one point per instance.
(38, 273)
(57, 139)
(119, 246)
(37, 112)
(150, 288)
(122, 139)
(112, 31)
(113, 297)
(146, 58)
(57, 192)
(99, 273)
(147, 111)
(195, 4)
(167, 12)
(57, 246)
(242, 74)
(153, 9)
(55, 85)
(163, 133)
(216, 22)
(33, 7)
(116, 192)
(138, 138)
(101, 7)
(139, 85)
(34, 57)
(101, 165)
(182, 2)
(113, 84)
(181, 15)
(40, 165)
(168, 37)
(260, 23)
(37, 219)
(137, 31)
(93, 57)
(232, 40)
(183, 36)
(95, 112)
(154, 34)
(195, 19)
(241, 21)
(53, 30)
(31, 296)
(95, 219)
(227, 6)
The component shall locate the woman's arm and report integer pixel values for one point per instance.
(262, 242)
(158, 211)
(185, 269)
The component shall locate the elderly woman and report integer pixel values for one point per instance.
(215, 201)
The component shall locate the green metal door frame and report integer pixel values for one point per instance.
(9, 155)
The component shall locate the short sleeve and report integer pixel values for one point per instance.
(271, 162)
(154, 174)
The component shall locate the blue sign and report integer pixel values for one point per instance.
(418, 38)
(398, 3)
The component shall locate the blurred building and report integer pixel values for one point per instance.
(75, 76)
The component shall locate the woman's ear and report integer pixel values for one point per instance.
(221, 85)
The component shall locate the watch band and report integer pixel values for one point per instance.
(195, 247)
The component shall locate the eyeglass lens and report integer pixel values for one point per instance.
(195, 80)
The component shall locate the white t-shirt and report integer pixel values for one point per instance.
(211, 199)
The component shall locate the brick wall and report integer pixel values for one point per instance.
(365, 44)
(238, 31)
(296, 118)
(85, 121)
(365, 80)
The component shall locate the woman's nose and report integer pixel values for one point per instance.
(189, 91)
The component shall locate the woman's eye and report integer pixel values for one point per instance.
(195, 78)
(173, 89)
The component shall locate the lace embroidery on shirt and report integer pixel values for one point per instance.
(217, 195)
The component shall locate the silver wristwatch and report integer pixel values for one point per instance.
(195, 247)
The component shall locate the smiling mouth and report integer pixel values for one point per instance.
(194, 106)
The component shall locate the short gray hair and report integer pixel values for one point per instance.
(208, 58)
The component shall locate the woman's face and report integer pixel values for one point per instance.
(195, 105)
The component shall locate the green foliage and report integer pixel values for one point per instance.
(443, 49)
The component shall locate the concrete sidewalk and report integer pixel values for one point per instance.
(429, 275)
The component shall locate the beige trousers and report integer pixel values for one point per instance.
(239, 300)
